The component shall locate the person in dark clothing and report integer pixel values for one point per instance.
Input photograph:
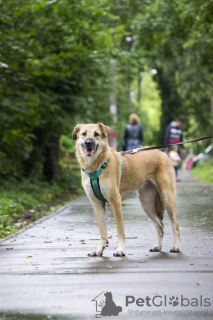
(133, 135)
(174, 133)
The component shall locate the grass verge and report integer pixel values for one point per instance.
(23, 202)
(204, 171)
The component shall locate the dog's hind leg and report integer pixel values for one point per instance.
(169, 202)
(167, 189)
(99, 208)
(153, 207)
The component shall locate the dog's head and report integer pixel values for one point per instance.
(91, 138)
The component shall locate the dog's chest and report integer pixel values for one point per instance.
(104, 187)
(88, 188)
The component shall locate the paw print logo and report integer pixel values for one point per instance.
(174, 301)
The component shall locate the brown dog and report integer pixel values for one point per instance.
(150, 173)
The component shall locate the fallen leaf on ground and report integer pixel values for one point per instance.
(9, 248)
(141, 261)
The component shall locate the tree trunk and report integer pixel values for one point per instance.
(51, 160)
(171, 102)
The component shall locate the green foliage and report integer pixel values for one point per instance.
(67, 144)
(27, 200)
(54, 70)
(204, 171)
(175, 38)
(151, 106)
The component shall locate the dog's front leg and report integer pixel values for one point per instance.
(117, 209)
(99, 208)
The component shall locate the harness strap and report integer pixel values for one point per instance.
(96, 189)
(95, 174)
(94, 180)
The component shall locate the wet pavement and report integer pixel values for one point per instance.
(45, 272)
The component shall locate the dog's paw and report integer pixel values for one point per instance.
(95, 254)
(155, 249)
(119, 253)
(175, 250)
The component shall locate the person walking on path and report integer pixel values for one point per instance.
(133, 135)
(174, 133)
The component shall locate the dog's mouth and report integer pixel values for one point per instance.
(89, 151)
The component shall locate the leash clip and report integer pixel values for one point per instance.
(134, 151)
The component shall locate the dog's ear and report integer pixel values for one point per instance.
(104, 129)
(76, 130)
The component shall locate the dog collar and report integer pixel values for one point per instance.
(94, 180)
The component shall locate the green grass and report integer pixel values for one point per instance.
(204, 171)
(26, 201)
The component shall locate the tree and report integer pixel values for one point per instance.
(175, 37)
(55, 65)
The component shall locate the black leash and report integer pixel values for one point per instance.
(163, 146)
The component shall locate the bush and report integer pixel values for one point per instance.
(29, 200)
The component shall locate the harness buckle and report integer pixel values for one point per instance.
(104, 165)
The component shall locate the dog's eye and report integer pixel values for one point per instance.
(96, 134)
(84, 134)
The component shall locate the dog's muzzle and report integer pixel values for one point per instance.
(89, 147)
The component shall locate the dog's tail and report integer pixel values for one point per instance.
(159, 207)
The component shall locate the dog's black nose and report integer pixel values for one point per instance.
(89, 143)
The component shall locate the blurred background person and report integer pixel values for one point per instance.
(133, 135)
(174, 133)
(176, 160)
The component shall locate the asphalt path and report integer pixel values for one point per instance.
(45, 272)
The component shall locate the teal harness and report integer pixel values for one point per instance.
(94, 180)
